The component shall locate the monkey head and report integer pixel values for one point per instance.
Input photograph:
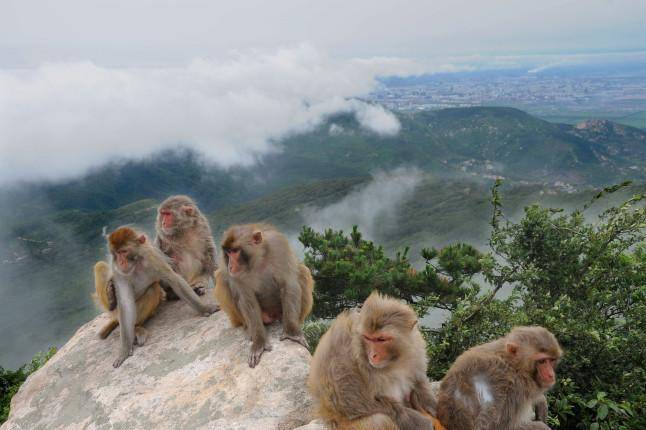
(536, 351)
(385, 328)
(240, 245)
(176, 214)
(124, 244)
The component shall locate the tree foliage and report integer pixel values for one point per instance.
(582, 278)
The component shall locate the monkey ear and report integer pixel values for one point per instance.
(141, 239)
(257, 237)
(188, 210)
(413, 325)
(512, 348)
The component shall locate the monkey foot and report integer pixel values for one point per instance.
(256, 353)
(122, 357)
(300, 339)
(141, 335)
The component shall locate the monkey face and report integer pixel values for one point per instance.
(124, 244)
(166, 219)
(174, 218)
(379, 349)
(544, 374)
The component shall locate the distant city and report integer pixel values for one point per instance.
(555, 97)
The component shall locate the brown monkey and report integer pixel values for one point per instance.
(261, 281)
(496, 385)
(369, 370)
(184, 235)
(137, 268)
(106, 296)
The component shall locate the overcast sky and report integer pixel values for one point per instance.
(136, 32)
(83, 81)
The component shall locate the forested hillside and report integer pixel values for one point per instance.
(443, 162)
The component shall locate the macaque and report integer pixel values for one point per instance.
(261, 281)
(369, 370)
(137, 268)
(499, 385)
(184, 235)
(106, 297)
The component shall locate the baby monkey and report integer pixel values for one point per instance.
(369, 370)
(137, 269)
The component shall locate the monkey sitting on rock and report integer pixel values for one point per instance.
(184, 235)
(261, 281)
(132, 281)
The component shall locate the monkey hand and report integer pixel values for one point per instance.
(299, 338)
(199, 288)
(413, 420)
(122, 357)
(256, 353)
(210, 308)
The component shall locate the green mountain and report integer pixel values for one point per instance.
(51, 232)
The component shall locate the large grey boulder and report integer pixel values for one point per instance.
(191, 374)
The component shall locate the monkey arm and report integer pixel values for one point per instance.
(184, 291)
(209, 260)
(252, 314)
(127, 317)
(421, 398)
(540, 408)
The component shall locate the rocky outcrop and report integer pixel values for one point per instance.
(191, 374)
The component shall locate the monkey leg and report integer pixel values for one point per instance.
(225, 300)
(307, 286)
(149, 301)
(291, 299)
(102, 277)
(107, 329)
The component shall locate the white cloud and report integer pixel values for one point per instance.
(374, 207)
(59, 119)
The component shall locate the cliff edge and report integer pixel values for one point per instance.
(192, 373)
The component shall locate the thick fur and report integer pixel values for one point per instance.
(349, 393)
(146, 305)
(488, 388)
(136, 271)
(189, 244)
(272, 282)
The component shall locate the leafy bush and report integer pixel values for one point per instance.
(585, 281)
(10, 381)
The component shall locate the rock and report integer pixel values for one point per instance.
(191, 374)
(314, 425)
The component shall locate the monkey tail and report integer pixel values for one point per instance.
(307, 284)
(102, 275)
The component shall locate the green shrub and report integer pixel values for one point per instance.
(10, 381)
(583, 280)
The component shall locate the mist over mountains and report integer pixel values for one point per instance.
(427, 185)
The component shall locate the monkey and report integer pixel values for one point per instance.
(105, 295)
(496, 385)
(184, 235)
(261, 281)
(137, 267)
(369, 370)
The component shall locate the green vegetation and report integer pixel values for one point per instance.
(10, 381)
(586, 282)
